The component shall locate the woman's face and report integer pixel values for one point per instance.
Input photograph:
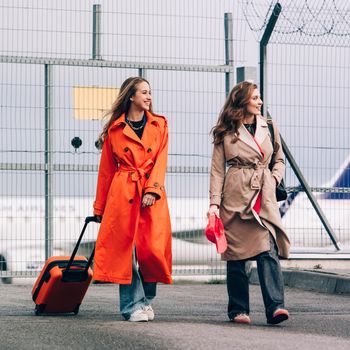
(255, 103)
(142, 98)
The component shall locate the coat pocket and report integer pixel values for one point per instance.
(269, 192)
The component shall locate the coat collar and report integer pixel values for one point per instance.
(148, 134)
(262, 130)
(151, 119)
(260, 134)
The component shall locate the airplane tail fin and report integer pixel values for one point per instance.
(340, 179)
(287, 203)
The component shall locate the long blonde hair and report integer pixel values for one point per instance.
(233, 111)
(121, 105)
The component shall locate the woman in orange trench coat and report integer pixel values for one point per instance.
(132, 203)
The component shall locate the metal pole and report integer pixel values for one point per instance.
(48, 164)
(228, 51)
(263, 44)
(245, 73)
(141, 72)
(96, 32)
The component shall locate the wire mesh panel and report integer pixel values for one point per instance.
(62, 64)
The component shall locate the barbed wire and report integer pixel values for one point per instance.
(324, 23)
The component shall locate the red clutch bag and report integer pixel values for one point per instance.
(215, 233)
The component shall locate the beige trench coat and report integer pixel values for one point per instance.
(235, 189)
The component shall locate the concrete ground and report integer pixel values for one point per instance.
(333, 281)
(188, 316)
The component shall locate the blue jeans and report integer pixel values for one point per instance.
(271, 283)
(136, 295)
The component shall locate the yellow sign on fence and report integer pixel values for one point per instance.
(92, 102)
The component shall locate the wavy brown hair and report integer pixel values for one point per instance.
(233, 111)
(121, 105)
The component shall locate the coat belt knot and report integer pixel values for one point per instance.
(137, 174)
(256, 179)
(257, 176)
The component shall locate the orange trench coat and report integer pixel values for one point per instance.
(130, 167)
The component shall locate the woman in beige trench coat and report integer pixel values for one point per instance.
(242, 193)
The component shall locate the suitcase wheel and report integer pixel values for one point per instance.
(39, 309)
(76, 310)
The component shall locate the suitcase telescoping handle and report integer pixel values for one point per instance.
(88, 219)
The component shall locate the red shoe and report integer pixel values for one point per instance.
(278, 316)
(241, 318)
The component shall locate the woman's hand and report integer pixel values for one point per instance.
(148, 200)
(213, 209)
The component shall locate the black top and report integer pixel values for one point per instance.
(251, 128)
(138, 127)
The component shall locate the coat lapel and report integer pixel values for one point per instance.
(151, 130)
(149, 134)
(262, 130)
(261, 133)
(247, 138)
(127, 131)
(130, 132)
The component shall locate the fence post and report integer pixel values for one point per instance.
(48, 164)
(245, 74)
(141, 72)
(96, 32)
(263, 44)
(228, 51)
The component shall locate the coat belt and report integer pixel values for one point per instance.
(240, 165)
(257, 177)
(135, 173)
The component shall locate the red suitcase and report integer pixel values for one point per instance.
(63, 281)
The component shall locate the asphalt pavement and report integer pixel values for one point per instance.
(188, 316)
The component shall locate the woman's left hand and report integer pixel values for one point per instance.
(148, 200)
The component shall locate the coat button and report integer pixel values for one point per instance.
(156, 184)
(131, 201)
(147, 176)
(149, 150)
(126, 149)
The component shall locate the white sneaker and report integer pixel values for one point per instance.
(149, 311)
(138, 316)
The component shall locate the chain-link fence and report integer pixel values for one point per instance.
(63, 61)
